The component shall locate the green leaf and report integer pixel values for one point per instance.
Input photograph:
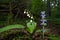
(39, 30)
(11, 27)
(53, 37)
(31, 27)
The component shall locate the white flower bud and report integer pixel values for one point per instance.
(31, 17)
(24, 12)
(42, 0)
(28, 15)
(30, 20)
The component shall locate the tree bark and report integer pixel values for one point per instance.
(48, 8)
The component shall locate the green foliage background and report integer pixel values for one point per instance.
(35, 7)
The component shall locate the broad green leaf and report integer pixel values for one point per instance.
(11, 27)
(31, 27)
(53, 37)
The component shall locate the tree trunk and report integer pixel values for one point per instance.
(48, 9)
